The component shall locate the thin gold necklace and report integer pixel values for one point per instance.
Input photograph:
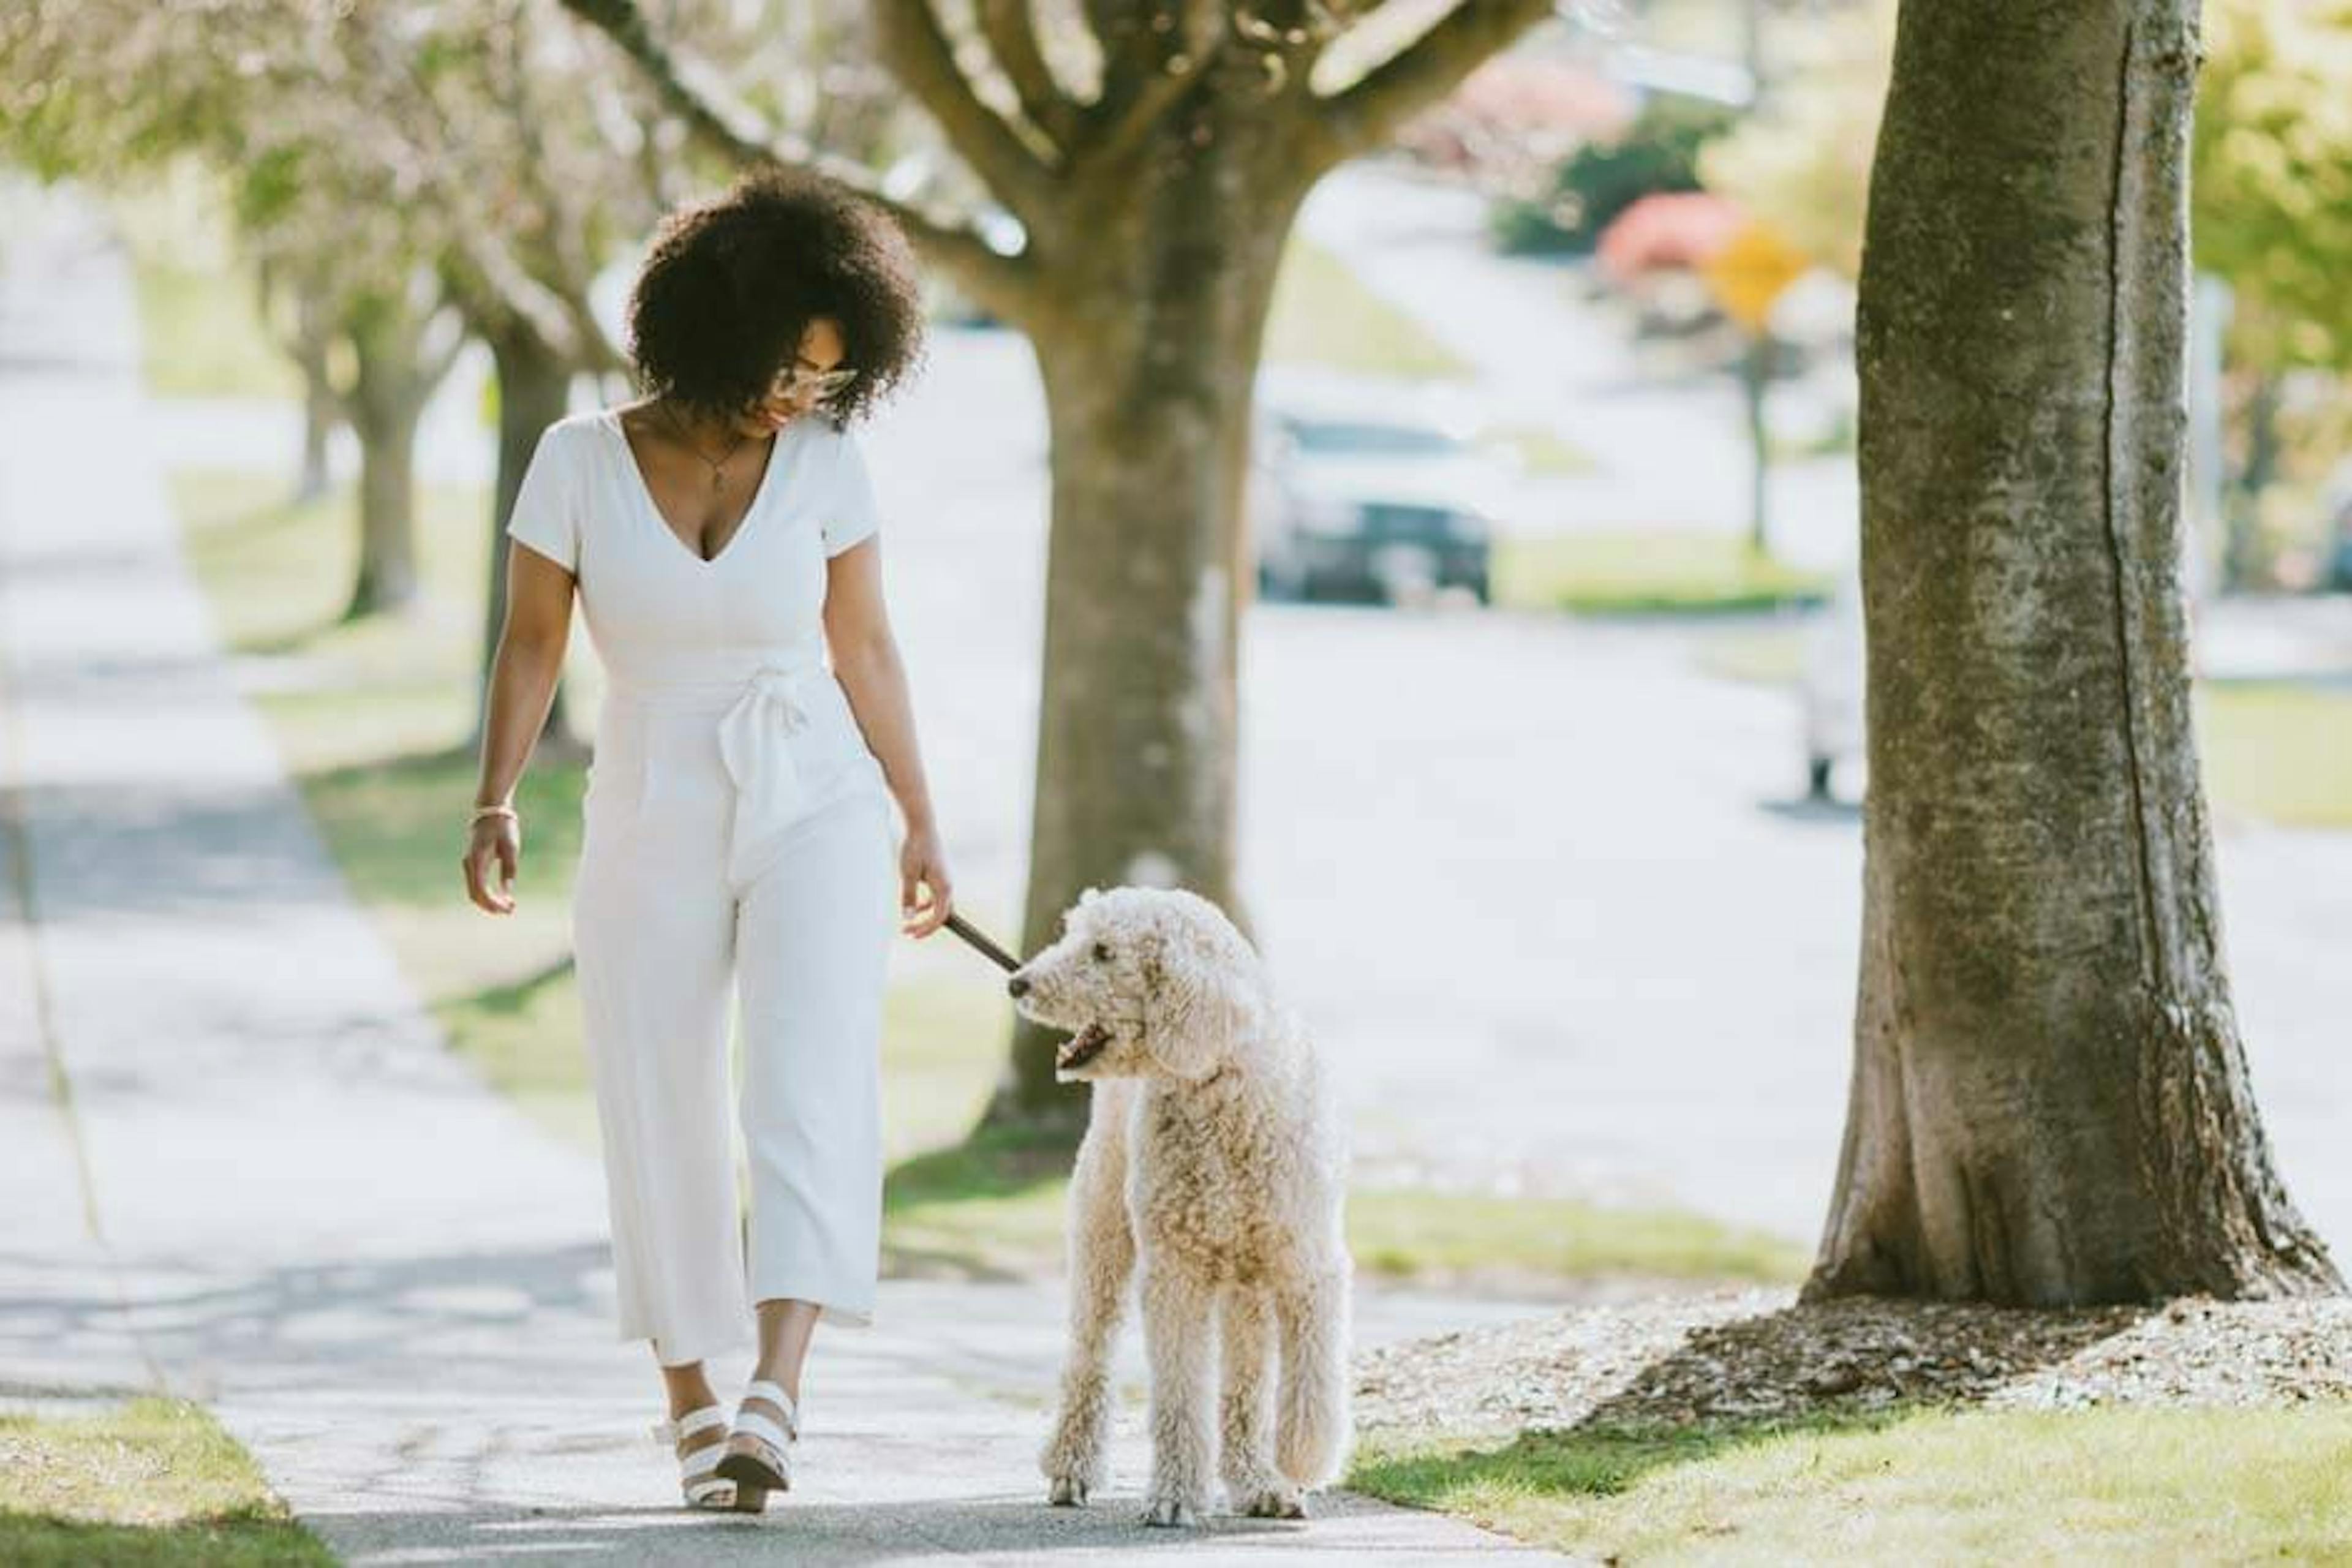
(718, 470)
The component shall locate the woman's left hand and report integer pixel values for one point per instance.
(923, 864)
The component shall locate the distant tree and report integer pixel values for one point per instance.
(2050, 1101)
(1802, 161)
(1658, 153)
(405, 179)
(1673, 231)
(296, 305)
(264, 91)
(2272, 193)
(2271, 177)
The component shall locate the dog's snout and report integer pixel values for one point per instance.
(1018, 985)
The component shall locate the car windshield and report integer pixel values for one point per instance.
(1334, 439)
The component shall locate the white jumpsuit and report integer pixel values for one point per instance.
(736, 826)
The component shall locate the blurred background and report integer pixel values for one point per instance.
(1550, 694)
(1549, 741)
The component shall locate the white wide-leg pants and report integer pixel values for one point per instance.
(737, 835)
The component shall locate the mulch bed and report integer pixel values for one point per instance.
(1755, 1357)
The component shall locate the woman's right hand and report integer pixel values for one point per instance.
(497, 840)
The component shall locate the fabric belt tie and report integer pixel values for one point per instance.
(751, 745)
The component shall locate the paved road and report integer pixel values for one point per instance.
(276, 1191)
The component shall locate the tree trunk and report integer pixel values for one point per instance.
(387, 568)
(2241, 553)
(2049, 1102)
(321, 408)
(534, 391)
(394, 379)
(1755, 375)
(318, 428)
(1149, 378)
(304, 327)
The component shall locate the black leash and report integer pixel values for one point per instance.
(971, 933)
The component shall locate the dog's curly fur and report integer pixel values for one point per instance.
(1213, 1168)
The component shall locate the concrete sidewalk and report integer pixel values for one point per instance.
(275, 1192)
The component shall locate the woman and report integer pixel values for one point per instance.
(720, 532)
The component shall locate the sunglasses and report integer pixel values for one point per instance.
(826, 384)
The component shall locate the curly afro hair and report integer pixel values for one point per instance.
(730, 284)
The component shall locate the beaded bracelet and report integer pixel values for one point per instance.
(482, 811)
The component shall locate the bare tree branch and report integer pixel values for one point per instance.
(916, 50)
(1005, 284)
(1369, 112)
(563, 235)
(438, 362)
(1143, 80)
(1119, 26)
(301, 337)
(690, 92)
(1011, 26)
(479, 237)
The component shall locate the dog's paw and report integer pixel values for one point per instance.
(1072, 1466)
(1171, 1512)
(1281, 1500)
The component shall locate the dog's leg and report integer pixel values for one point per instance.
(1312, 1425)
(1176, 1327)
(1102, 1257)
(1245, 1435)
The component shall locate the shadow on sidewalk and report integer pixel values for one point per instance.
(361, 1322)
(812, 1533)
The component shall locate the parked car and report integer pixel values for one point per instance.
(1365, 498)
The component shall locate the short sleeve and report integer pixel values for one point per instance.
(546, 513)
(853, 514)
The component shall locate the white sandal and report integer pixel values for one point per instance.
(697, 1467)
(754, 1474)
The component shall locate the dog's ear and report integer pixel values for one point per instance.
(1202, 998)
(1088, 895)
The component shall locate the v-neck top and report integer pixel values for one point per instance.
(657, 610)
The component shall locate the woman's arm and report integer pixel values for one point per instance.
(524, 673)
(865, 659)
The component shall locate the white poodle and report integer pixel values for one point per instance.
(1215, 1166)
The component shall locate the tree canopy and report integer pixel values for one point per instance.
(2271, 177)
